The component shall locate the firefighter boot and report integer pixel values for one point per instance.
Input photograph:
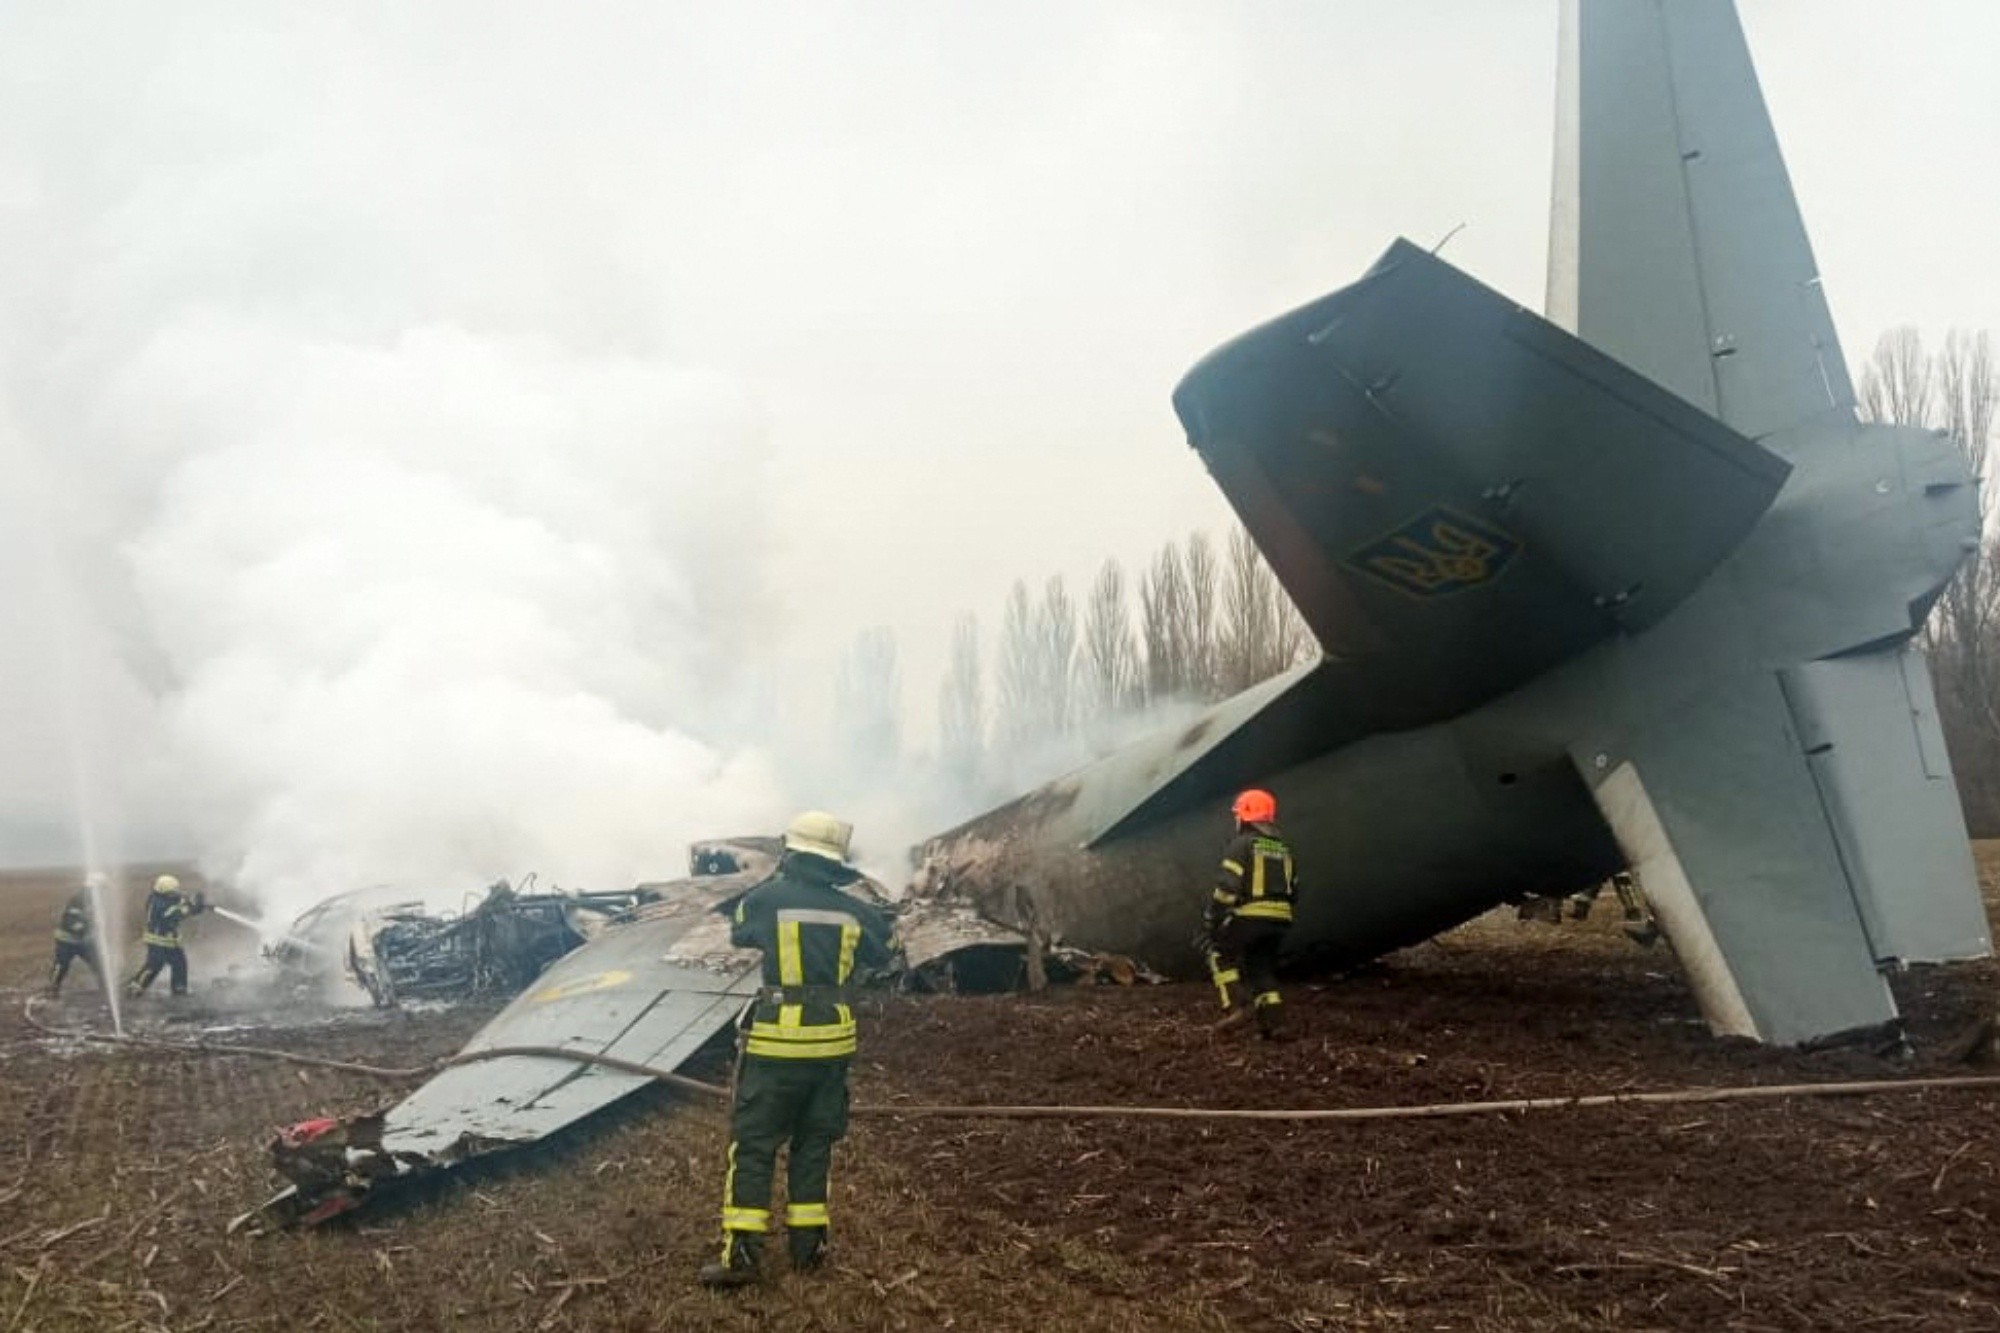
(1271, 1020)
(808, 1248)
(738, 1266)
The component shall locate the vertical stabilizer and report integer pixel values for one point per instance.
(1675, 242)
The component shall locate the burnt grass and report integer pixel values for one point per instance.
(120, 1169)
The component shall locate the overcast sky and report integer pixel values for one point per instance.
(901, 289)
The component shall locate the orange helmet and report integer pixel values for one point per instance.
(1256, 807)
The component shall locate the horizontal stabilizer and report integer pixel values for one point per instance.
(1456, 489)
(1715, 806)
(1870, 728)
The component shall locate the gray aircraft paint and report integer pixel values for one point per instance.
(1640, 597)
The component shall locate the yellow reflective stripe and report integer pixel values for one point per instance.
(801, 1049)
(1268, 909)
(846, 1015)
(1233, 867)
(729, 1186)
(1257, 878)
(1228, 977)
(164, 941)
(1225, 897)
(791, 959)
(805, 1215)
(1223, 976)
(64, 937)
(1265, 999)
(790, 1015)
(850, 938)
(805, 1033)
(746, 1219)
(783, 1031)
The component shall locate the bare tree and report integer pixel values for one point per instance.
(1262, 632)
(1956, 391)
(1199, 568)
(962, 705)
(1015, 723)
(1055, 665)
(1163, 617)
(1898, 383)
(1294, 642)
(1110, 664)
(868, 694)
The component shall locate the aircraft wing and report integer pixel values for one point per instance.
(1676, 244)
(1459, 493)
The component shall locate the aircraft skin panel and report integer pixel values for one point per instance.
(1870, 727)
(1678, 246)
(1719, 811)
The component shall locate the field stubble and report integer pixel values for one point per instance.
(119, 1171)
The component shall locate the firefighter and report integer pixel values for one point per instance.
(74, 932)
(1250, 911)
(791, 1084)
(167, 906)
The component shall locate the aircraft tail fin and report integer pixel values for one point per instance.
(1675, 242)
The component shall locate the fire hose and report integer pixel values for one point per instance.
(1432, 1111)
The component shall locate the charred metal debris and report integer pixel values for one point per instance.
(606, 984)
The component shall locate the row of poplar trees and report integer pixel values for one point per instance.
(1068, 678)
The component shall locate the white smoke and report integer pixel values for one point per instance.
(426, 558)
(446, 609)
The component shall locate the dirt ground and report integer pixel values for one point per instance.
(119, 1171)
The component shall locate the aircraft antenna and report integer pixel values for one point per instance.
(1446, 238)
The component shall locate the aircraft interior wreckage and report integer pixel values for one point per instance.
(1626, 586)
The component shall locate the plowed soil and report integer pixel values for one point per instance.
(120, 1169)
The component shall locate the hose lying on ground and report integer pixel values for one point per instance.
(1440, 1110)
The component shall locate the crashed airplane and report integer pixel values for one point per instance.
(1628, 586)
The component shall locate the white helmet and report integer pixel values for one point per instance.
(817, 833)
(166, 884)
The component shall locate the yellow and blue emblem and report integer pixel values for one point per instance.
(1440, 551)
(582, 986)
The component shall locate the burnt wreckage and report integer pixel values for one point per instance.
(649, 986)
(498, 947)
(653, 983)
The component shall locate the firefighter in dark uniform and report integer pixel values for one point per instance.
(74, 932)
(791, 1087)
(1250, 912)
(167, 906)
